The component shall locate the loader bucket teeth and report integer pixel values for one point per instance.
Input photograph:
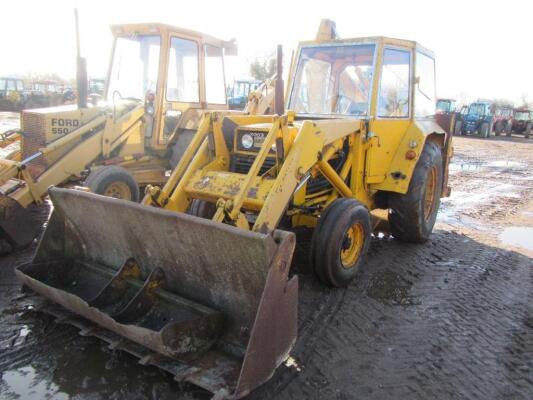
(209, 302)
(16, 224)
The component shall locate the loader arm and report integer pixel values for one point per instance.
(97, 138)
(204, 171)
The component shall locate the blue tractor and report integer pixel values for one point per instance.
(477, 120)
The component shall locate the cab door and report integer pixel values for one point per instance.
(194, 82)
(392, 110)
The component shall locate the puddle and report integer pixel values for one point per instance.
(24, 383)
(464, 166)
(9, 121)
(476, 166)
(506, 164)
(453, 207)
(390, 288)
(520, 236)
(21, 336)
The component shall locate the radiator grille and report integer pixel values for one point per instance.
(33, 138)
(241, 163)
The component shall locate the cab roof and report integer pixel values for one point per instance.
(379, 40)
(327, 35)
(164, 29)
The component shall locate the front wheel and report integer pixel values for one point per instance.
(340, 241)
(412, 215)
(485, 130)
(113, 181)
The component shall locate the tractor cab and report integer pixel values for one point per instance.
(478, 119)
(12, 94)
(446, 106)
(175, 72)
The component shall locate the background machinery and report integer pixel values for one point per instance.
(447, 115)
(196, 279)
(478, 119)
(161, 79)
(522, 122)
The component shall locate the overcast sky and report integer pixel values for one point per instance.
(483, 48)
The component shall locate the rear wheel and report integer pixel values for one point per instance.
(527, 132)
(508, 128)
(412, 215)
(484, 131)
(458, 129)
(340, 241)
(498, 129)
(113, 181)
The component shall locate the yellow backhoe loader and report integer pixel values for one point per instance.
(160, 81)
(196, 279)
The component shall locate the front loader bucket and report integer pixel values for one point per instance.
(208, 302)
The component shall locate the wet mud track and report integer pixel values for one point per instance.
(450, 319)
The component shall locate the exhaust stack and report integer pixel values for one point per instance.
(81, 68)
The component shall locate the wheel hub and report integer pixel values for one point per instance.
(118, 190)
(352, 245)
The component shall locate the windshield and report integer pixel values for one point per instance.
(477, 109)
(521, 115)
(96, 86)
(333, 80)
(135, 67)
(444, 106)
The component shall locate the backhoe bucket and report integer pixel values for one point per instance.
(17, 225)
(210, 303)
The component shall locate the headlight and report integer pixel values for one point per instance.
(247, 141)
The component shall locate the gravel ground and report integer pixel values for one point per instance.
(450, 319)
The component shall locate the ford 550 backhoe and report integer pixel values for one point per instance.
(195, 280)
(161, 79)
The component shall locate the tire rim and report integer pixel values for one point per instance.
(352, 244)
(118, 190)
(429, 195)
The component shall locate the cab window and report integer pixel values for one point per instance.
(214, 75)
(425, 86)
(182, 81)
(393, 100)
(333, 80)
(11, 85)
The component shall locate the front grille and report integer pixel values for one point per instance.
(32, 139)
(241, 163)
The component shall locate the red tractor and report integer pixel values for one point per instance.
(502, 120)
(522, 122)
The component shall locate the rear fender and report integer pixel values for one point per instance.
(401, 168)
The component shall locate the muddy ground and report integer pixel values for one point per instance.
(450, 319)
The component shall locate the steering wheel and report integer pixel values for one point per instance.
(116, 92)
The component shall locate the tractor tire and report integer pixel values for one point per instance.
(412, 215)
(498, 129)
(458, 128)
(527, 131)
(508, 128)
(113, 181)
(484, 130)
(95, 171)
(340, 242)
(202, 209)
